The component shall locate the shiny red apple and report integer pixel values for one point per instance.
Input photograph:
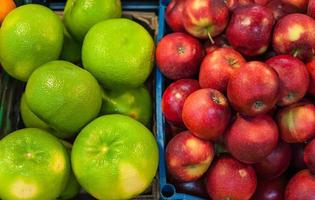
(174, 15)
(206, 113)
(253, 89)
(188, 157)
(178, 56)
(174, 97)
(217, 67)
(251, 139)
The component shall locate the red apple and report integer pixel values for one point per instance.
(174, 97)
(249, 30)
(234, 4)
(294, 78)
(270, 189)
(311, 69)
(294, 34)
(188, 157)
(280, 9)
(251, 139)
(196, 188)
(262, 2)
(174, 15)
(309, 156)
(205, 18)
(253, 88)
(298, 154)
(206, 113)
(311, 8)
(231, 179)
(217, 67)
(276, 163)
(297, 123)
(178, 56)
(219, 41)
(300, 4)
(301, 186)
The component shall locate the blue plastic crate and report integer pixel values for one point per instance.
(167, 190)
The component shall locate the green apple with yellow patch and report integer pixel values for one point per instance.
(115, 157)
(34, 165)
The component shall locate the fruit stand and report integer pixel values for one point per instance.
(147, 99)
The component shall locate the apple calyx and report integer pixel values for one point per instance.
(215, 99)
(233, 62)
(181, 50)
(258, 105)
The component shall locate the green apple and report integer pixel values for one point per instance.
(135, 103)
(115, 157)
(34, 165)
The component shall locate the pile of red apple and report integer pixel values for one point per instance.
(240, 108)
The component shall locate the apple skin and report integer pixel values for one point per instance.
(217, 67)
(230, 179)
(270, 189)
(251, 139)
(246, 23)
(196, 188)
(202, 18)
(280, 9)
(297, 122)
(300, 4)
(294, 78)
(234, 4)
(301, 186)
(290, 36)
(311, 8)
(174, 97)
(276, 163)
(206, 113)
(174, 15)
(253, 88)
(311, 69)
(178, 56)
(309, 156)
(298, 154)
(188, 157)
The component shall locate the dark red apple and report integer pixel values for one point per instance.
(294, 78)
(253, 88)
(205, 18)
(262, 2)
(251, 139)
(206, 113)
(311, 8)
(217, 67)
(276, 163)
(249, 30)
(231, 179)
(294, 34)
(297, 123)
(301, 186)
(178, 56)
(174, 15)
(298, 154)
(219, 41)
(300, 4)
(188, 157)
(174, 97)
(311, 69)
(196, 188)
(280, 9)
(309, 156)
(270, 189)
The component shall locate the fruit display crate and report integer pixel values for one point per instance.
(167, 190)
(145, 13)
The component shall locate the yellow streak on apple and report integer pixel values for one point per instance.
(23, 190)
(295, 32)
(199, 4)
(58, 163)
(131, 181)
(201, 167)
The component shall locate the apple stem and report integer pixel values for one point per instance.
(210, 38)
(295, 53)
